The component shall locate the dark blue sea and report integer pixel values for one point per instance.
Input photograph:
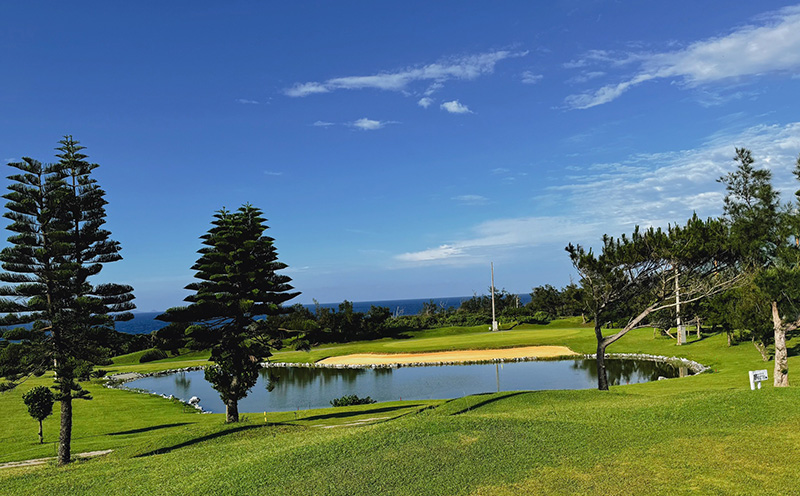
(145, 322)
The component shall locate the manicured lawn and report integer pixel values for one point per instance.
(707, 434)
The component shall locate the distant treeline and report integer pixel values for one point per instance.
(328, 325)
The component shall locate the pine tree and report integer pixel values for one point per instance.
(57, 214)
(238, 286)
(767, 235)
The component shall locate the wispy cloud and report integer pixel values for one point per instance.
(247, 102)
(464, 68)
(471, 199)
(653, 189)
(425, 102)
(323, 124)
(771, 46)
(369, 124)
(529, 77)
(273, 173)
(493, 236)
(585, 77)
(455, 107)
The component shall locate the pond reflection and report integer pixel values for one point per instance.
(304, 387)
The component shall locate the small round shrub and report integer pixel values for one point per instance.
(352, 399)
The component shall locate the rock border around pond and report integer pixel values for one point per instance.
(118, 381)
(695, 367)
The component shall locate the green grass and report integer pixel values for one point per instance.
(707, 434)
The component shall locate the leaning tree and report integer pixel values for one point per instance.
(238, 289)
(57, 213)
(634, 277)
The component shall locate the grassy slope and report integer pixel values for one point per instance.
(702, 435)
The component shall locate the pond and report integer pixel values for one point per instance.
(301, 388)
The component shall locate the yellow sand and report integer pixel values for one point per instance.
(449, 356)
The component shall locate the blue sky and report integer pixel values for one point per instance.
(398, 147)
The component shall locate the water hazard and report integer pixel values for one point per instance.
(300, 388)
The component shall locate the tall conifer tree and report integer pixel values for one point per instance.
(57, 214)
(238, 285)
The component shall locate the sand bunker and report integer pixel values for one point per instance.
(449, 356)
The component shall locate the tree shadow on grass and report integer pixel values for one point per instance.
(794, 349)
(209, 437)
(147, 429)
(371, 411)
(473, 406)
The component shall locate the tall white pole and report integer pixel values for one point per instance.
(494, 321)
(681, 330)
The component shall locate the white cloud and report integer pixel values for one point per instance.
(529, 77)
(465, 68)
(305, 89)
(455, 107)
(748, 51)
(653, 189)
(323, 124)
(471, 199)
(489, 238)
(247, 102)
(425, 102)
(273, 173)
(369, 124)
(585, 77)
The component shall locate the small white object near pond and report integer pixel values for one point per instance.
(194, 400)
(756, 376)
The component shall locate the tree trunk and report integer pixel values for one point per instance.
(65, 435)
(781, 374)
(602, 375)
(730, 338)
(231, 411)
(699, 326)
(761, 349)
(41, 436)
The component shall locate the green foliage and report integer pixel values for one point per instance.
(350, 400)
(57, 245)
(549, 300)
(7, 386)
(238, 286)
(39, 401)
(152, 355)
(635, 276)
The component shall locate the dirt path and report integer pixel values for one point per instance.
(449, 356)
(42, 461)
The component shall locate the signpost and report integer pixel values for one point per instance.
(756, 376)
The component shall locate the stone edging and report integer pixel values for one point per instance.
(695, 367)
(117, 381)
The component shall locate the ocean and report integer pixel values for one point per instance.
(145, 322)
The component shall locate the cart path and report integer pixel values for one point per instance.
(42, 461)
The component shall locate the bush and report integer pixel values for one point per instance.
(352, 400)
(7, 386)
(152, 355)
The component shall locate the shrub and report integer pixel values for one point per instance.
(7, 386)
(151, 355)
(352, 400)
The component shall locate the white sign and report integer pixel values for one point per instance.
(756, 376)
